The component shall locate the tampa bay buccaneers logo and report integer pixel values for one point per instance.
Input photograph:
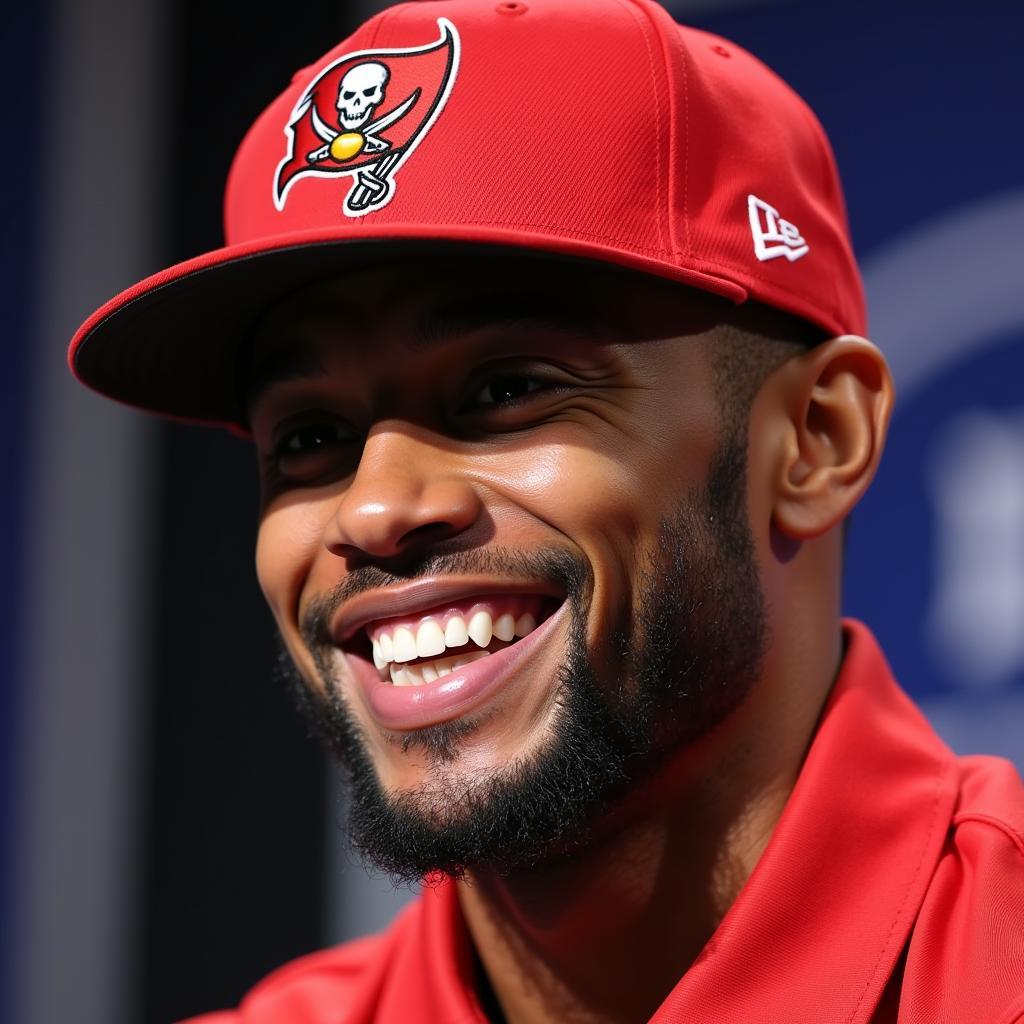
(362, 117)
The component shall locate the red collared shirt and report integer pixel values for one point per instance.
(891, 892)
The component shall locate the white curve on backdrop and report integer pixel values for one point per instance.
(949, 286)
(945, 291)
(975, 475)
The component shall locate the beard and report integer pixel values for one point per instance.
(680, 660)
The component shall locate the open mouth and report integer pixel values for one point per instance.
(414, 650)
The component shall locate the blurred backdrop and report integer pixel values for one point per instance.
(168, 832)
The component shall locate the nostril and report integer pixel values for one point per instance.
(429, 533)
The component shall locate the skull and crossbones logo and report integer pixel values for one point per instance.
(364, 114)
(360, 93)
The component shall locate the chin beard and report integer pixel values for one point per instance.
(686, 657)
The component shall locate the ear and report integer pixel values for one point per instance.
(835, 402)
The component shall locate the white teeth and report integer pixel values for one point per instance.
(455, 634)
(480, 629)
(429, 639)
(430, 671)
(378, 658)
(505, 626)
(404, 645)
(406, 675)
(468, 659)
(525, 624)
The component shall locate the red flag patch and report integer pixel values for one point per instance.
(362, 117)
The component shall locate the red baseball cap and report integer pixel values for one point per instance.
(589, 129)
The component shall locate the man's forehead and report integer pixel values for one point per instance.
(339, 318)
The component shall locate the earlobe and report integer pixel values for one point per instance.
(838, 399)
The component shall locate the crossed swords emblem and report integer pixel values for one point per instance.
(343, 146)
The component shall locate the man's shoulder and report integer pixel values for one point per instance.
(991, 792)
(985, 846)
(311, 988)
(967, 947)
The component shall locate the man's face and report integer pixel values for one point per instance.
(516, 458)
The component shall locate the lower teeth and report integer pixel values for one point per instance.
(428, 671)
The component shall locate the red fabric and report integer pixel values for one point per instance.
(891, 892)
(652, 150)
(588, 128)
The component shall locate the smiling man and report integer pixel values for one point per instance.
(560, 399)
(550, 582)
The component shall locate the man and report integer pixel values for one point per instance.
(544, 322)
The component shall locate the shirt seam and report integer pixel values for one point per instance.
(936, 804)
(986, 819)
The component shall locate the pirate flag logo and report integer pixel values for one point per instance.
(364, 114)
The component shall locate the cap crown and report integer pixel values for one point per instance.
(570, 125)
(591, 128)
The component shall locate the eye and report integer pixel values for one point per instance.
(508, 389)
(312, 437)
(314, 449)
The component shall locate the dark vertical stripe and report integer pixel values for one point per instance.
(23, 29)
(236, 836)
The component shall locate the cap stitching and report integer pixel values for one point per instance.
(670, 45)
(686, 151)
(739, 268)
(657, 124)
(686, 146)
(579, 232)
(714, 264)
(830, 184)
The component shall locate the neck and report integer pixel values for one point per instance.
(642, 898)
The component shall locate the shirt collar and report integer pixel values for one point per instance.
(825, 914)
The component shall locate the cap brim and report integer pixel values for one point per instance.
(174, 343)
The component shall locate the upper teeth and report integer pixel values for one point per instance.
(430, 640)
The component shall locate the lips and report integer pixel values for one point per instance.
(414, 650)
(433, 659)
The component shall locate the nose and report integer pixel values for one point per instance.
(406, 492)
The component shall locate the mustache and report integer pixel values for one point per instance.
(557, 566)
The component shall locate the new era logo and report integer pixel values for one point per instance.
(773, 236)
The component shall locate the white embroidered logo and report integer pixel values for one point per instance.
(774, 236)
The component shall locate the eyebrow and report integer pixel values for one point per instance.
(438, 326)
(298, 361)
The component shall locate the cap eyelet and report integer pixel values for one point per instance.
(720, 50)
(511, 7)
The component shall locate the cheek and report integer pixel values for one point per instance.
(290, 539)
(607, 491)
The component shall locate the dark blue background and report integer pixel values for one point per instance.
(923, 103)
